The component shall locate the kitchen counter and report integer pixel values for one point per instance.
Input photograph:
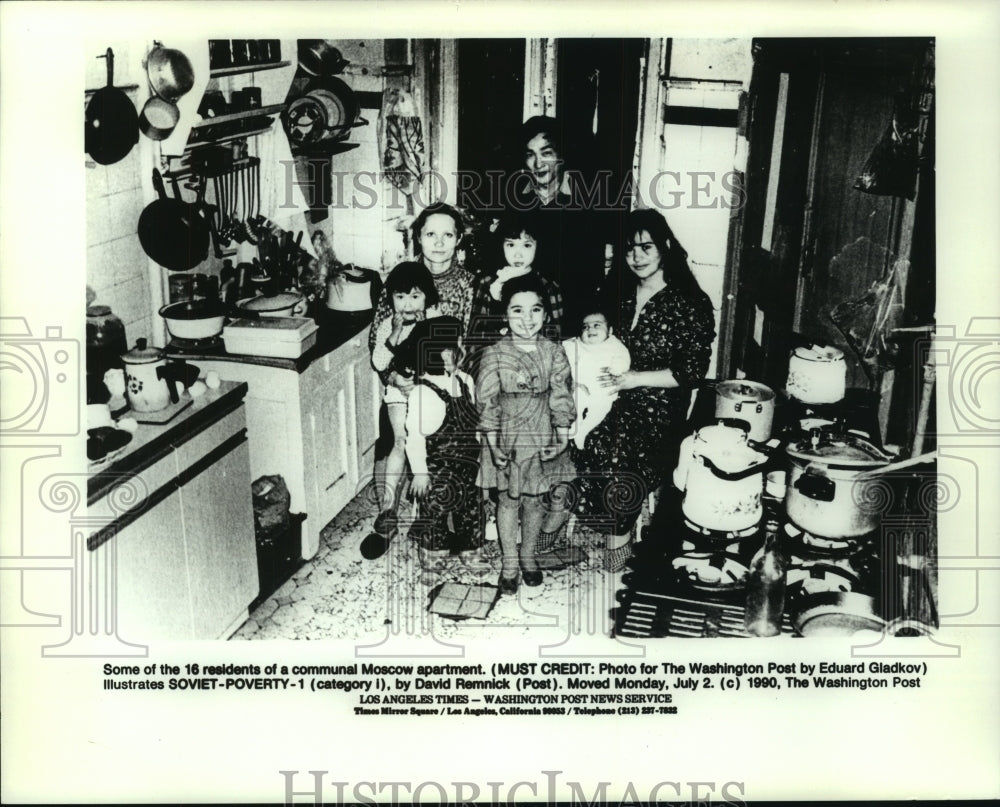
(313, 420)
(335, 329)
(151, 443)
(170, 543)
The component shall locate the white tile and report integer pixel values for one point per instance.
(98, 221)
(126, 207)
(124, 174)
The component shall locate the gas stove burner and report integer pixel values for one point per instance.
(819, 544)
(195, 345)
(721, 535)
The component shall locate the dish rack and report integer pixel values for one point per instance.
(649, 615)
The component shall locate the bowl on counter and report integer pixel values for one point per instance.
(285, 304)
(194, 319)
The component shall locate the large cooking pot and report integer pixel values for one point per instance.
(836, 613)
(152, 383)
(327, 111)
(158, 118)
(829, 493)
(172, 232)
(749, 401)
(722, 475)
(817, 374)
(170, 72)
(111, 127)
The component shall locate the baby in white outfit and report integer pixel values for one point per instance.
(591, 354)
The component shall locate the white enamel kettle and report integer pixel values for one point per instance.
(150, 383)
(721, 473)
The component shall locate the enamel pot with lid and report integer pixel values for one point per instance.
(722, 475)
(830, 493)
(151, 383)
(817, 374)
(749, 401)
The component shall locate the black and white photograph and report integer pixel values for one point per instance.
(379, 383)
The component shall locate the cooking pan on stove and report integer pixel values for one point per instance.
(836, 613)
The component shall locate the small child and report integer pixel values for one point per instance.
(441, 441)
(525, 412)
(414, 297)
(517, 244)
(593, 353)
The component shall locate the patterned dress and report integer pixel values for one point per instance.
(524, 397)
(487, 322)
(452, 463)
(628, 454)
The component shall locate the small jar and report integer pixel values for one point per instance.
(106, 343)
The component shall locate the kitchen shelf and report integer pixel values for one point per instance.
(234, 117)
(246, 113)
(246, 68)
(321, 149)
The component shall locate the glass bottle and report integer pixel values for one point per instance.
(765, 601)
(106, 343)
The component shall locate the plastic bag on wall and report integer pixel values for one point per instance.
(891, 169)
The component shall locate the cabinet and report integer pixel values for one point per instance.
(182, 551)
(315, 426)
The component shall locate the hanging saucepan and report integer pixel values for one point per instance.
(170, 72)
(159, 118)
(112, 126)
(171, 231)
(317, 57)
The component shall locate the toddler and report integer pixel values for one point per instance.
(414, 297)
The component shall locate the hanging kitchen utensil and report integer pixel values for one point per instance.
(170, 72)
(170, 232)
(317, 57)
(159, 118)
(112, 124)
(199, 226)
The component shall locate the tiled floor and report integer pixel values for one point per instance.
(339, 594)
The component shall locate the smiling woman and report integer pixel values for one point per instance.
(572, 219)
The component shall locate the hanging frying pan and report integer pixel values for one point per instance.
(112, 125)
(171, 231)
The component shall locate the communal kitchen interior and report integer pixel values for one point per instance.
(233, 411)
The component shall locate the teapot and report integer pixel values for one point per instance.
(721, 472)
(152, 383)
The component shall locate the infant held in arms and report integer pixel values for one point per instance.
(594, 352)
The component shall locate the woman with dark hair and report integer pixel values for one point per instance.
(573, 218)
(667, 323)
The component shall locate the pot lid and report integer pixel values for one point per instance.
(141, 354)
(743, 390)
(727, 447)
(844, 450)
(286, 299)
(823, 353)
